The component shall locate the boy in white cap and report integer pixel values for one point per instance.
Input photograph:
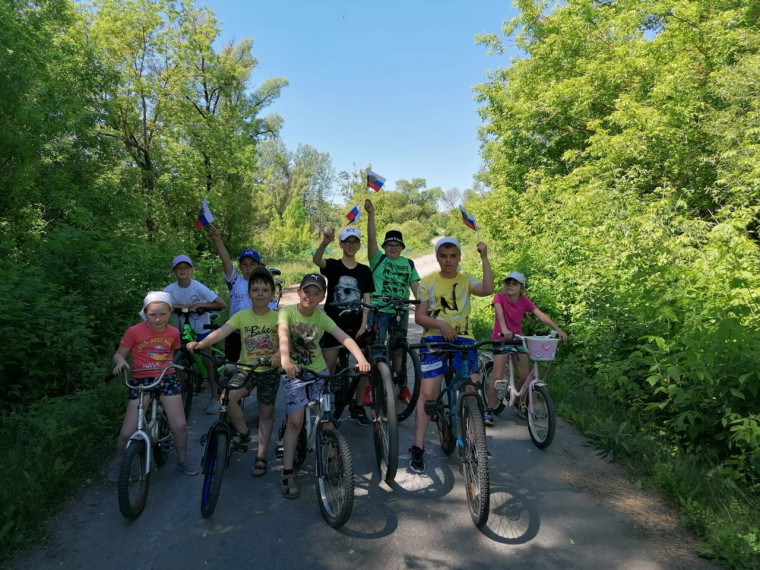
(188, 293)
(151, 345)
(444, 313)
(348, 281)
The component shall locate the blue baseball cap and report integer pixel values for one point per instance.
(252, 253)
(181, 259)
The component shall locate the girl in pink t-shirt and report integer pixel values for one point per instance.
(510, 306)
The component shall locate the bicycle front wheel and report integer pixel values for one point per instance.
(542, 419)
(134, 481)
(335, 485)
(384, 426)
(475, 462)
(408, 377)
(444, 421)
(214, 460)
(163, 443)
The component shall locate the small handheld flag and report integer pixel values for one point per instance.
(468, 220)
(205, 217)
(374, 181)
(354, 214)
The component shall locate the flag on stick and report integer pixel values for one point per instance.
(354, 214)
(468, 220)
(205, 217)
(374, 181)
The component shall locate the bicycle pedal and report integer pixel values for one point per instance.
(430, 407)
(279, 451)
(242, 448)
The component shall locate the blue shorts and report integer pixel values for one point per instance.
(296, 395)
(383, 324)
(169, 386)
(433, 364)
(200, 336)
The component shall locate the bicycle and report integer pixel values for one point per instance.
(218, 440)
(533, 396)
(457, 402)
(151, 442)
(333, 466)
(197, 381)
(278, 283)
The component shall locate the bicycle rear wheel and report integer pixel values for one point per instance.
(444, 422)
(164, 443)
(542, 419)
(335, 486)
(384, 426)
(408, 376)
(214, 464)
(187, 382)
(475, 462)
(277, 293)
(134, 483)
(487, 379)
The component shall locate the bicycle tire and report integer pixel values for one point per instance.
(277, 293)
(187, 382)
(301, 449)
(335, 487)
(411, 371)
(384, 422)
(542, 421)
(444, 422)
(163, 444)
(475, 462)
(214, 465)
(134, 483)
(487, 378)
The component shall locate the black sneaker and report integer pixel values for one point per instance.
(358, 414)
(417, 462)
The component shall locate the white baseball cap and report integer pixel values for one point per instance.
(447, 241)
(349, 231)
(517, 276)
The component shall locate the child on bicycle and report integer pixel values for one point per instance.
(258, 328)
(510, 305)
(394, 276)
(151, 345)
(348, 281)
(300, 328)
(444, 313)
(188, 293)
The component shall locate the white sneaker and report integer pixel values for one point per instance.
(501, 388)
(213, 407)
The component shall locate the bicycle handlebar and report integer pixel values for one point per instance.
(396, 303)
(447, 346)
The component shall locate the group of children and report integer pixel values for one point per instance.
(301, 336)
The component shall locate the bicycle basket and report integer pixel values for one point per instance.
(541, 347)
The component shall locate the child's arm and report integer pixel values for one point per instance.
(421, 318)
(327, 237)
(544, 318)
(499, 310)
(213, 337)
(352, 347)
(290, 369)
(366, 298)
(120, 359)
(216, 305)
(486, 287)
(371, 231)
(220, 249)
(414, 286)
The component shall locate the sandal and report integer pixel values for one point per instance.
(239, 440)
(290, 487)
(259, 467)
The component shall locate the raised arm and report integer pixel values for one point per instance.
(220, 249)
(486, 287)
(317, 258)
(371, 230)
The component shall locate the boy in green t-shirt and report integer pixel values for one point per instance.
(300, 328)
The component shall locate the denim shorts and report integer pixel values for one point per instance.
(433, 364)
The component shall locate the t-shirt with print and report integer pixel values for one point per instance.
(392, 276)
(238, 289)
(258, 335)
(305, 333)
(151, 350)
(346, 285)
(196, 292)
(513, 313)
(448, 300)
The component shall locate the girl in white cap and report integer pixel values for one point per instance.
(151, 345)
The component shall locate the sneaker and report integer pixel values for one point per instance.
(213, 407)
(367, 401)
(417, 462)
(187, 469)
(358, 414)
(501, 389)
(114, 468)
(488, 418)
(405, 395)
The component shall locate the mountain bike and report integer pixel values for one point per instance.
(457, 405)
(197, 381)
(278, 283)
(532, 400)
(334, 466)
(218, 440)
(151, 442)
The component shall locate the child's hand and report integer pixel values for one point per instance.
(191, 346)
(290, 369)
(363, 365)
(561, 334)
(328, 236)
(275, 360)
(212, 232)
(507, 335)
(447, 332)
(360, 332)
(123, 365)
(369, 207)
(482, 249)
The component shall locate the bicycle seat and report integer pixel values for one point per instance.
(274, 271)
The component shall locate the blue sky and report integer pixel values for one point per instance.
(381, 83)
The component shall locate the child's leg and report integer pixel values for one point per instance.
(331, 358)
(266, 421)
(290, 439)
(175, 413)
(430, 388)
(213, 388)
(127, 428)
(235, 411)
(497, 373)
(523, 367)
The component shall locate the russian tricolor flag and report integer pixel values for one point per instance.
(354, 214)
(205, 217)
(468, 220)
(374, 181)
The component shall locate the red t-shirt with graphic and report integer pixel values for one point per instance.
(151, 350)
